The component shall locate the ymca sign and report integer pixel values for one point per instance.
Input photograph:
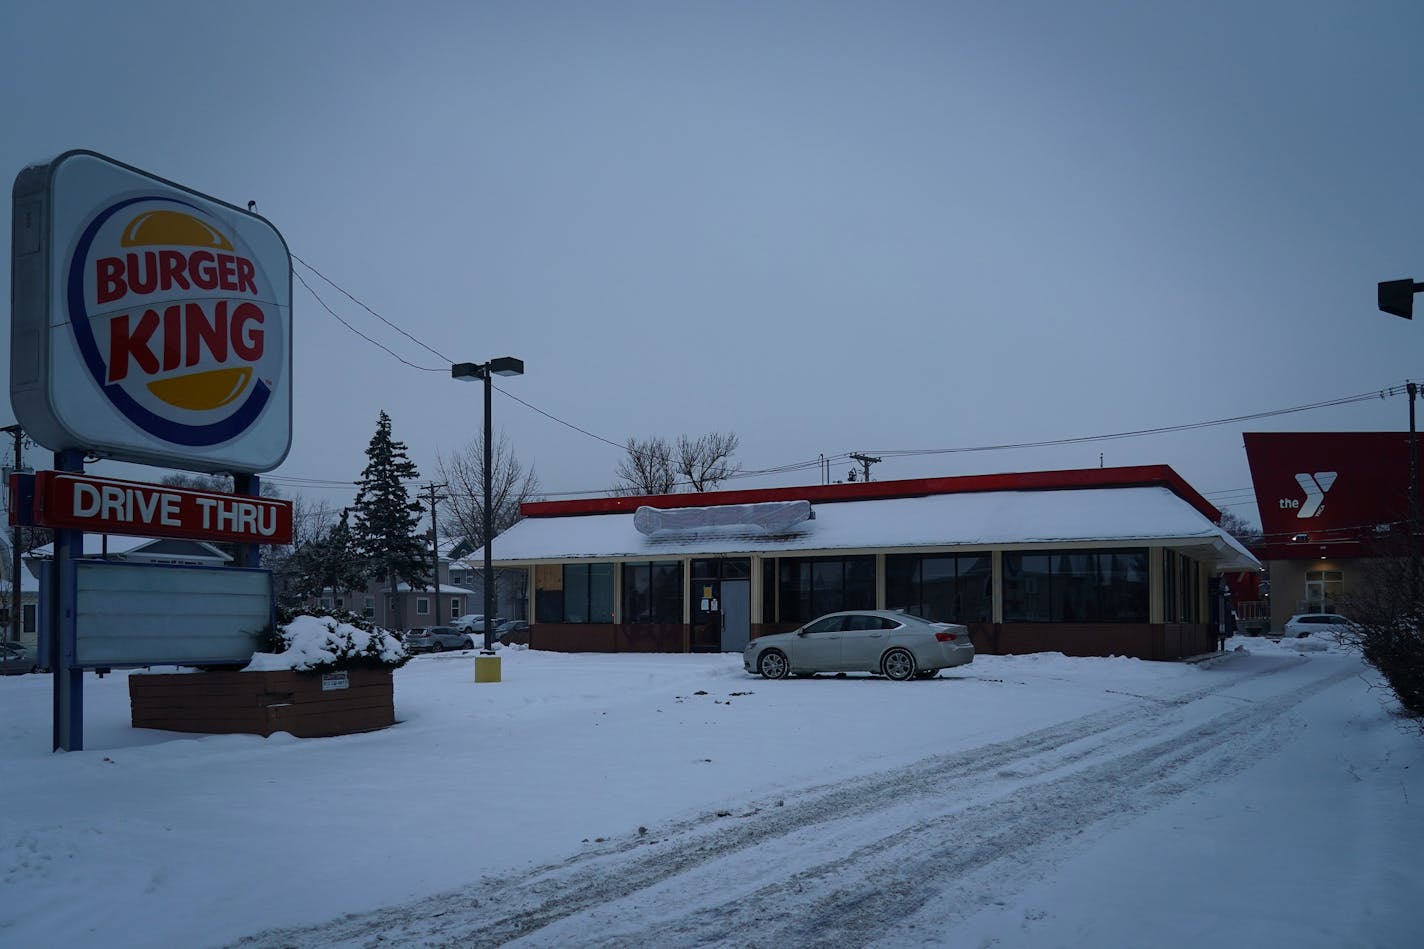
(111, 506)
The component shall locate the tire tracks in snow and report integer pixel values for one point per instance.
(818, 867)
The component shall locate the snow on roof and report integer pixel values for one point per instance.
(1148, 514)
(430, 588)
(158, 547)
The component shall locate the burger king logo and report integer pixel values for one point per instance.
(175, 320)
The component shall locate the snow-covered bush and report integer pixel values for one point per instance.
(312, 639)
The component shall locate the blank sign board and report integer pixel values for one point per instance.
(149, 614)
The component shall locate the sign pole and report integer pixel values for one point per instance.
(68, 681)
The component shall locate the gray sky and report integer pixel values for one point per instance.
(828, 227)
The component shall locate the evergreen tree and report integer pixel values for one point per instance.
(330, 560)
(387, 520)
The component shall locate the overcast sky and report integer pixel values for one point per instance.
(827, 227)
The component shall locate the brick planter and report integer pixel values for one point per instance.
(261, 703)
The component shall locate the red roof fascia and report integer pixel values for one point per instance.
(1126, 477)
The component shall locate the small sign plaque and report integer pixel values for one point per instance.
(334, 680)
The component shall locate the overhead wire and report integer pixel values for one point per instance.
(817, 462)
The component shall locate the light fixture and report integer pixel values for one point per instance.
(1396, 297)
(1300, 538)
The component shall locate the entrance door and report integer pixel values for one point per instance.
(736, 614)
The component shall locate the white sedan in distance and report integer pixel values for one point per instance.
(1303, 624)
(896, 645)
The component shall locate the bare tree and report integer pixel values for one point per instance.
(647, 468)
(212, 483)
(706, 461)
(1240, 528)
(1386, 609)
(511, 484)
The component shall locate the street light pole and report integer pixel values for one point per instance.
(503, 366)
(489, 523)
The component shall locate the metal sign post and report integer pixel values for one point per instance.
(68, 680)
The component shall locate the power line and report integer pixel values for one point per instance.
(798, 466)
(346, 293)
(1165, 429)
(353, 329)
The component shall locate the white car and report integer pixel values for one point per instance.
(896, 645)
(1303, 624)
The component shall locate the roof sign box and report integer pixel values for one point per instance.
(150, 323)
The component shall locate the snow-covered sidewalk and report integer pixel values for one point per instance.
(666, 800)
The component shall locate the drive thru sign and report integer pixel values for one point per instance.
(110, 506)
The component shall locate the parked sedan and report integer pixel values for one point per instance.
(15, 659)
(435, 639)
(1303, 624)
(885, 642)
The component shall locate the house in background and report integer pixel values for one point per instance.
(23, 627)
(411, 606)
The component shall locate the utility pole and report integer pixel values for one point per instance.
(15, 616)
(435, 544)
(865, 462)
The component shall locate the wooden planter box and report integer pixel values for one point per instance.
(261, 703)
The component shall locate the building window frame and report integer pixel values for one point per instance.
(1078, 585)
(652, 591)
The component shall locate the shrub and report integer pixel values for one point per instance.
(1387, 610)
(313, 639)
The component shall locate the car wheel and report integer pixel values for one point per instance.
(436, 647)
(898, 664)
(773, 665)
(468, 643)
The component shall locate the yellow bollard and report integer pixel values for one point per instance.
(486, 668)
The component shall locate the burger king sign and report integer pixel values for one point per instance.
(150, 323)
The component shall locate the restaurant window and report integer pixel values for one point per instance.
(1181, 588)
(1076, 586)
(652, 592)
(811, 586)
(585, 595)
(946, 588)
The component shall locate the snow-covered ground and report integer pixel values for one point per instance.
(1267, 798)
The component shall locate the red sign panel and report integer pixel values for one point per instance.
(1329, 487)
(110, 506)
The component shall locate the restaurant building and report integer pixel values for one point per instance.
(1092, 562)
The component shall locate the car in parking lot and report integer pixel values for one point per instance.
(897, 645)
(436, 639)
(513, 632)
(1304, 624)
(16, 659)
(474, 623)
